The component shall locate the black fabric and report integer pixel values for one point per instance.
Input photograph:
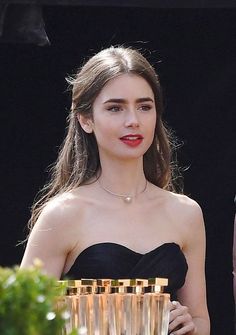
(22, 24)
(111, 260)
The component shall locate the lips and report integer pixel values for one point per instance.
(132, 140)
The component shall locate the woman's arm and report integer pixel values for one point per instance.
(190, 315)
(50, 240)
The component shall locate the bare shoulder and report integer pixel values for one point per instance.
(183, 211)
(61, 211)
(53, 235)
(189, 218)
(185, 204)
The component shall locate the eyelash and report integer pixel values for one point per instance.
(144, 108)
(114, 109)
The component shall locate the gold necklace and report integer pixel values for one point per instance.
(126, 198)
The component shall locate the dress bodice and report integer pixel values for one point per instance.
(111, 260)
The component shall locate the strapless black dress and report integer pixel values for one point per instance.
(111, 260)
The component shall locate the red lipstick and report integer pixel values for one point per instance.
(132, 140)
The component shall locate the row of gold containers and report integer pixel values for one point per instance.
(116, 307)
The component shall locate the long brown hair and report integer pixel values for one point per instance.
(78, 160)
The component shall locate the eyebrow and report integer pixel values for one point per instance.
(117, 100)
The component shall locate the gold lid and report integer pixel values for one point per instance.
(103, 282)
(154, 289)
(72, 290)
(158, 281)
(73, 283)
(124, 282)
(81, 290)
(134, 289)
(116, 283)
(101, 289)
(138, 282)
(88, 282)
(88, 289)
(116, 286)
(117, 289)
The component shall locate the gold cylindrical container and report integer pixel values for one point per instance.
(129, 314)
(155, 308)
(161, 306)
(84, 310)
(100, 313)
(132, 305)
(115, 307)
(71, 308)
(61, 303)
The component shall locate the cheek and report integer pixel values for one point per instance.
(105, 125)
(152, 123)
(103, 131)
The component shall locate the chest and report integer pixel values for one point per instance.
(140, 227)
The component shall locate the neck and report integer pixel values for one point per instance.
(123, 177)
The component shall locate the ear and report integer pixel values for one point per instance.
(86, 123)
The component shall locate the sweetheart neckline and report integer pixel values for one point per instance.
(127, 248)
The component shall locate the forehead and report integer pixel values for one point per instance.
(126, 86)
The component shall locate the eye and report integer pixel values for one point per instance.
(145, 108)
(114, 108)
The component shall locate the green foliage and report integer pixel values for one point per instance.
(28, 303)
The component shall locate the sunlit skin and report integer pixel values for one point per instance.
(123, 122)
(125, 106)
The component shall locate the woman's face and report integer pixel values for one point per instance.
(124, 118)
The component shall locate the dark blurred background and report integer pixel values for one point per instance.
(192, 48)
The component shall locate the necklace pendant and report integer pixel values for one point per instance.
(128, 199)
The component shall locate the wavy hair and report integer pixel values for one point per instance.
(78, 160)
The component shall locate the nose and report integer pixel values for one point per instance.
(132, 119)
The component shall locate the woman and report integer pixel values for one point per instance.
(110, 210)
